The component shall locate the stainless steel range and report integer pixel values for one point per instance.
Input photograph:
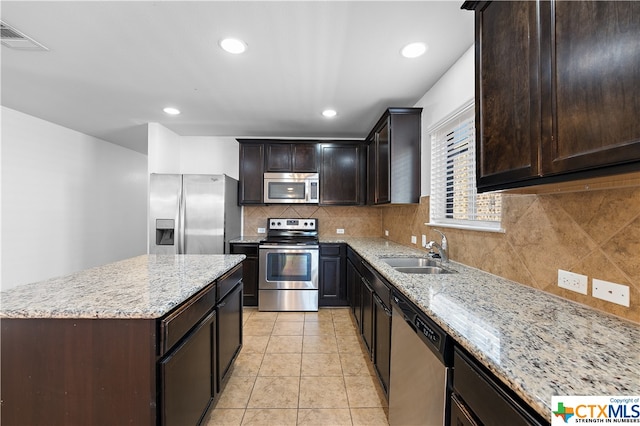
(288, 266)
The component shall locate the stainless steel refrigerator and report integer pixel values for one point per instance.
(192, 214)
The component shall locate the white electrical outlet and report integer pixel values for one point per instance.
(386, 232)
(611, 292)
(261, 230)
(572, 281)
(340, 231)
(424, 240)
(414, 239)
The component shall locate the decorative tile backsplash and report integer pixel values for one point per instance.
(356, 221)
(595, 233)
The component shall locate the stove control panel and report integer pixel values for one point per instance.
(293, 224)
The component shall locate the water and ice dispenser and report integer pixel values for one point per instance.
(165, 231)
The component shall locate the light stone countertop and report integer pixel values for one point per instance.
(538, 344)
(147, 286)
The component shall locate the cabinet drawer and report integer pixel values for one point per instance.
(329, 250)
(247, 249)
(228, 281)
(176, 325)
(489, 401)
(377, 284)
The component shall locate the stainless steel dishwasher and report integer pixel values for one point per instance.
(421, 357)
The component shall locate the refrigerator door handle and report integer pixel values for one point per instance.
(181, 218)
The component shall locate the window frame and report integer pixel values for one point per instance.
(437, 218)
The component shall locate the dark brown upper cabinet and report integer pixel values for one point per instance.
(557, 88)
(393, 166)
(291, 157)
(251, 172)
(342, 173)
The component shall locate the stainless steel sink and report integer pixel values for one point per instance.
(415, 265)
(423, 270)
(408, 261)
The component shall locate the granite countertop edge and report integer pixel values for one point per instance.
(142, 287)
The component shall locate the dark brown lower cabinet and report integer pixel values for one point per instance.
(332, 288)
(249, 271)
(382, 342)
(188, 376)
(481, 398)
(367, 315)
(229, 339)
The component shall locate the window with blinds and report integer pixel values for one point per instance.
(454, 200)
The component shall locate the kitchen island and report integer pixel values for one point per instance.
(538, 345)
(143, 341)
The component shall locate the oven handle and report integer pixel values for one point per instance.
(288, 247)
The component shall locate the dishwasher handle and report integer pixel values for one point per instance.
(405, 310)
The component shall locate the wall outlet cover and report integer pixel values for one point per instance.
(611, 292)
(424, 240)
(261, 230)
(414, 239)
(386, 232)
(572, 281)
(340, 231)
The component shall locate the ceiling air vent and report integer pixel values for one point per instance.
(14, 39)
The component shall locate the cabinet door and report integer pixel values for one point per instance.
(382, 342)
(367, 316)
(188, 377)
(355, 282)
(383, 176)
(229, 332)
(249, 271)
(251, 173)
(341, 174)
(332, 275)
(304, 158)
(507, 92)
(595, 91)
(278, 157)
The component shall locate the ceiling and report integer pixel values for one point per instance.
(112, 66)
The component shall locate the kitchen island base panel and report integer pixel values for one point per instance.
(78, 371)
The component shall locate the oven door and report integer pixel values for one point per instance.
(288, 267)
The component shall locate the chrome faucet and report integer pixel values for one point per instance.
(443, 247)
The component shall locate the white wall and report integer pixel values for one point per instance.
(209, 155)
(69, 201)
(163, 149)
(455, 88)
(172, 153)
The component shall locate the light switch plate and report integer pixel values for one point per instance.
(611, 292)
(572, 281)
(261, 230)
(414, 239)
(340, 231)
(424, 240)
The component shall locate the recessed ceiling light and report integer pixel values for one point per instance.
(171, 111)
(413, 50)
(233, 45)
(329, 113)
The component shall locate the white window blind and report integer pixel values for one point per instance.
(454, 200)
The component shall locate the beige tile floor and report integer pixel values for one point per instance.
(301, 369)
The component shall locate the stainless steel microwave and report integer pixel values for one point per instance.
(289, 188)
